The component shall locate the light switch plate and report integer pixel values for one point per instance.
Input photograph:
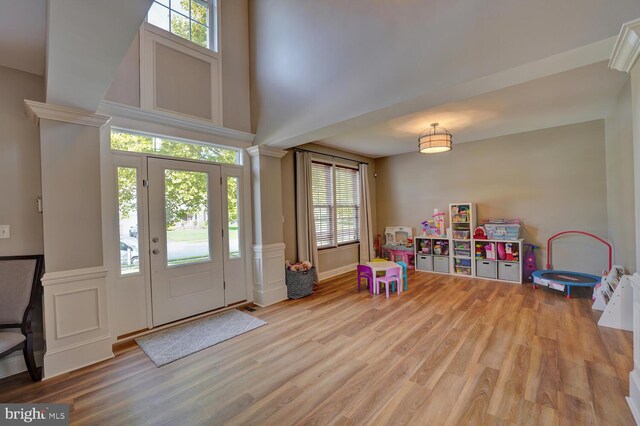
(5, 231)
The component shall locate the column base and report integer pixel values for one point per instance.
(268, 274)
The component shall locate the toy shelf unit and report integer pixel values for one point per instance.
(614, 296)
(499, 259)
(462, 221)
(432, 254)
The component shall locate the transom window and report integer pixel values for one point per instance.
(336, 204)
(193, 20)
(149, 144)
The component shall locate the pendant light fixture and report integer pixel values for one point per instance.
(434, 140)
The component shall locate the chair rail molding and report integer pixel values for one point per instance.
(627, 47)
(76, 327)
(37, 111)
(268, 274)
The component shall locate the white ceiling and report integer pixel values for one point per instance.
(23, 25)
(582, 94)
(366, 76)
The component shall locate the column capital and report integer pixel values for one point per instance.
(38, 110)
(258, 150)
(627, 47)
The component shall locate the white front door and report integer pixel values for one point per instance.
(186, 242)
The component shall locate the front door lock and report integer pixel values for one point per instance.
(154, 239)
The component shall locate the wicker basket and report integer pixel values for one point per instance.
(300, 283)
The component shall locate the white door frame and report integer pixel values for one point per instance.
(110, 218)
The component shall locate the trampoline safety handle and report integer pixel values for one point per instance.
(581, 233)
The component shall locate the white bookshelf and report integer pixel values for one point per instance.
(462, 222)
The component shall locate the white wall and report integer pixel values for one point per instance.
(620, 180)
(20, 182)
(552, 179)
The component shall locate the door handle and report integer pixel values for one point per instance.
(154, 239)
(155, 251)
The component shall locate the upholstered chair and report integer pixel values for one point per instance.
(19, 292)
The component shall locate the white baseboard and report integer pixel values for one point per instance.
(14, 363)
(64, 360)
(269, 297)
(338, 271)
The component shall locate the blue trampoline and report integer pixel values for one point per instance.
(559, 280)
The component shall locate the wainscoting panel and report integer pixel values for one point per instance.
(75, 320)
(268, 274)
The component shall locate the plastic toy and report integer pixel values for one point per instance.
(508, 251)
(438, 219)
(529, 263)
(502, 254)
(480, 233)
(490, 252)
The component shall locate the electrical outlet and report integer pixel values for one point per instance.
(5, 231)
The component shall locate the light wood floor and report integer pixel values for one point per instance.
(448, 351)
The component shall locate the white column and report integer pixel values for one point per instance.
(624, 58)
(76, 328)
(268, 251)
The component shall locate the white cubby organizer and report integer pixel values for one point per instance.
(466, 256)
(462, 222)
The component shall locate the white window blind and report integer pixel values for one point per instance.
(347, 205)
(336, 204)
(322, 184)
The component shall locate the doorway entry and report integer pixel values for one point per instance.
(180, 239)
(185, 230)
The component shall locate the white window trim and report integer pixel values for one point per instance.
(214, 25)
(333, 163)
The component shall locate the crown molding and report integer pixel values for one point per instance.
(125, 111)
(266, 151)
(37, 111)
(627, 47)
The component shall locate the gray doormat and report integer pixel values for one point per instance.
(177, 342)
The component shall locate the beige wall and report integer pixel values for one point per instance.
(329, 259)
(20, 181)
(552, 179)
(19, 163)
(234, 47)
(620, 185)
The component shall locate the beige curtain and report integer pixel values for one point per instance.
(305, 223)
(366, 228)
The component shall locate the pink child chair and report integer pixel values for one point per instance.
(392, 276)
(366, 273)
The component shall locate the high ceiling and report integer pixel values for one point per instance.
(575, 96)
(23, 25)
(368, 76)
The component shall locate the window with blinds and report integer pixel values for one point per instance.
(336, 204)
